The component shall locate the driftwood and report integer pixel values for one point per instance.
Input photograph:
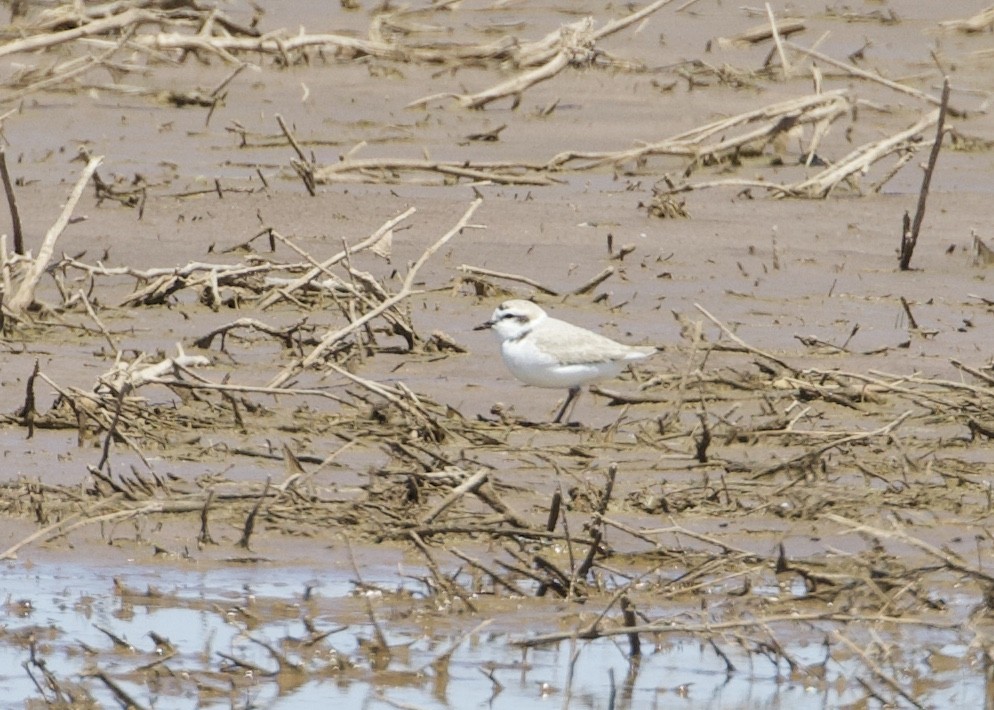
(575, 47)
(138, 373)
(45, 39)
(24, 294)
(980, 22)
(759, 127)
(389, 171)
(762, 33)
(219, 36)
(534, 60)
(822, 184)
(870, 76)
(480, 271)
(826, 181)
(313, 273)
(406, 290)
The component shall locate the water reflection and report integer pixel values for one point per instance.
(244, 637)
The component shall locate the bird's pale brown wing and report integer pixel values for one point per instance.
(573, 345)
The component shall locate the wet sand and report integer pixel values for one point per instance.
(732, 521)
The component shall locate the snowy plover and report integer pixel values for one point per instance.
(548, 352)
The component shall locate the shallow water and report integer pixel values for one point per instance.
(205, 614)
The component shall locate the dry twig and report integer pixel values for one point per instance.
(407, 288)
(24, 295)
(910, 239)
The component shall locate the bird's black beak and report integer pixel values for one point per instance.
(484, 326)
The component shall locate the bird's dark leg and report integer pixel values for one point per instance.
(574, 392)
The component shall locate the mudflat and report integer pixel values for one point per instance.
(255, 453)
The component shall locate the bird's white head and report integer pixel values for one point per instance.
(514, 319)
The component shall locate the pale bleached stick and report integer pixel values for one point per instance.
(518, 84)
(761, 33)
(821, 184)
(983, 376)
(821, 109)
(401, 326)
(574, 45)
(135, 378)
(818, 115)
(283, 335)
(64, 72)
(836, 98)
(316, 271)
(623, 22)
(978, 23)
(97, 27)
(272, 43)
(863, 74)
(883, 386)
(813, 108)
(100, 325)
(542, 50)
(570, 44)
(479, 271)
(406, 290)
(25, 294)
(11, 552)
(281, 43)
(227, 270)
(405, 402)
(951, 560)
(338, 172)
(739, 341)
(824, 182)
(594, 282)
(776, 38)
(467, 486)
(834, 444)
(530, 54)
(202, 384)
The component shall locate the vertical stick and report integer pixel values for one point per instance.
(15, 218)
(28, 411)
(628, 614)
(24, 296)
(776, 39)
(908, 241)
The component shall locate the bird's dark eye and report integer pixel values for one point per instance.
(505, 315)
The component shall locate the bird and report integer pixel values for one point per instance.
(547, 352)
